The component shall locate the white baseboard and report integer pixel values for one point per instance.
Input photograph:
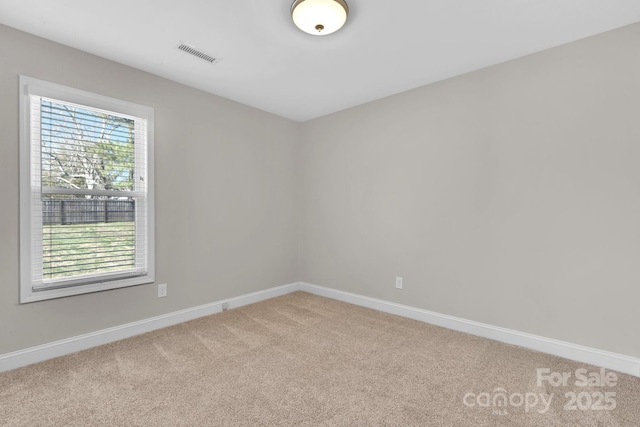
(63, 347)
(617, 362)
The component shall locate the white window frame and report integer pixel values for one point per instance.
(30, 289)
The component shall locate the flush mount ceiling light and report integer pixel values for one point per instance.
(319, 17)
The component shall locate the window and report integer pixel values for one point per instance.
(86, 192)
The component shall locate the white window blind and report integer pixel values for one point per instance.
(89, 179)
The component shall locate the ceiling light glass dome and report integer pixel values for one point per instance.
(319, 17)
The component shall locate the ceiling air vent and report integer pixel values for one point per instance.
(195, 52)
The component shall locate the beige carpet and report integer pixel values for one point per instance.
(306, 360)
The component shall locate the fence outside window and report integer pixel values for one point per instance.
(86, 211)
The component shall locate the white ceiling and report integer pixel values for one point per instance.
(386, 47)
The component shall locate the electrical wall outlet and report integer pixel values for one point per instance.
(398, 282)
(162, 290)
(225, 306)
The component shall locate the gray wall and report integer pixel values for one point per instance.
(509, 196)
(234, 165)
